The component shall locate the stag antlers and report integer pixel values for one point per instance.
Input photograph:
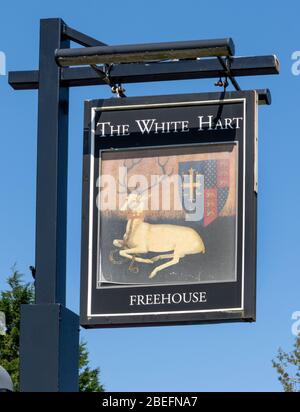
(164, 175)
(129, 166)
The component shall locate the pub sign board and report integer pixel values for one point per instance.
(169, 210)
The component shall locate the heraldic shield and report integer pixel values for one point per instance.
(204, 184)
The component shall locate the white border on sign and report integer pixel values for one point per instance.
(91, 202)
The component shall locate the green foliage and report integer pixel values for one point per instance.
(19, 293)
(287, 365)
(10, 302)
(88, 378)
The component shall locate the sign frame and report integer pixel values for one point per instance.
(247, 310)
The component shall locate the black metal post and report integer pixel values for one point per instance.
(43, 364)
(52, 167)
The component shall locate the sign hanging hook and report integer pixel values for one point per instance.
(117, 89)
(226, 65)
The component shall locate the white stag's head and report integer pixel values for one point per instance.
(136, 200)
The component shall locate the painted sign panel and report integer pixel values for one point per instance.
(169, 210)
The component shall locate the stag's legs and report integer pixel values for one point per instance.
(159, 257)
(118, 242)
(127, 253)
(172, 262)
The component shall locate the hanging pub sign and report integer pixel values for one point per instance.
(169, 210)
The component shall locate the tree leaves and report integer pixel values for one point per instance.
(287, 365)
(10, 300)
(88, 378)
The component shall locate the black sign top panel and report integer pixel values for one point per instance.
(169, 210)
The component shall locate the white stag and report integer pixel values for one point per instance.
(142, 237)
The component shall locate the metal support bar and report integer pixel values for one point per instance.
(133, 53)
(151, 72)
(80, 38)
(264, 96)
(24, 80)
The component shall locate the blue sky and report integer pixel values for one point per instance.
(224, 357)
